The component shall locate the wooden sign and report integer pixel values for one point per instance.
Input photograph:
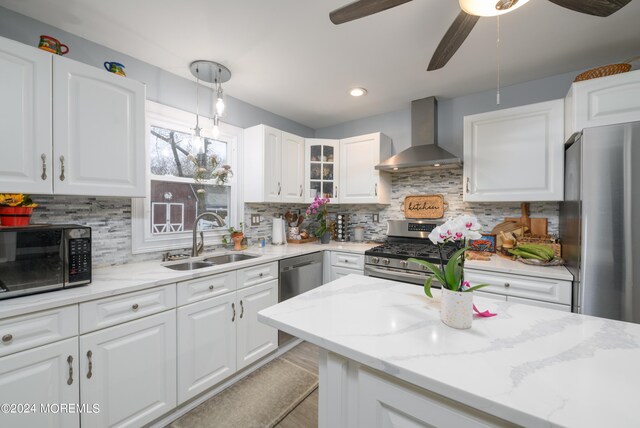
(424, 206)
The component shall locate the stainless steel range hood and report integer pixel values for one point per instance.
(424, 150)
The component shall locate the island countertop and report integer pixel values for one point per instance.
(530, 366)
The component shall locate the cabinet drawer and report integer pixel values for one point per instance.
(338, 272)
(115, 310)
(28, 331)
(257, 274)
(528, 287)
(347, 260)
(204, 288)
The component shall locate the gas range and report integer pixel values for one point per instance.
(405, 239)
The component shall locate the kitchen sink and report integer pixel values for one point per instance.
(190, 265)
(229, 258)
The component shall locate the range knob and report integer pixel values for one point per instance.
(404, 263)
(375, 260)
(423, 267)
(386, 261)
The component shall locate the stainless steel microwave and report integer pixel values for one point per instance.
(39, 258)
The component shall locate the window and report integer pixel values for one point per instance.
(180, 183)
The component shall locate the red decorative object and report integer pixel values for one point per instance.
(15, 216)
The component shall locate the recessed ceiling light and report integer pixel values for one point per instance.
(395, 169)
(436, 164)
(358, 92)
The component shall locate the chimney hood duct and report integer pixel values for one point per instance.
(424, 150)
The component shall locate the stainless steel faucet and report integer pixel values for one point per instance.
(196, 248)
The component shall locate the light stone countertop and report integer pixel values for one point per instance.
(503, 265)
(532, 366)
(114, 280)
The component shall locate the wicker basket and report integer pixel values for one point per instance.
(605, 70)
(544, 240)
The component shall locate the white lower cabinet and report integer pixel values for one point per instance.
(338, 272)
(255, 339)
(206, 344)
(343, 264)
(536, 291)
(130, 371)
(46, 375)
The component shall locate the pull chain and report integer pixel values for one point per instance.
(498, 58)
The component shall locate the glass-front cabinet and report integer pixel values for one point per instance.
(322, 168)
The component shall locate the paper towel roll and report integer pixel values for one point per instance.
(277, 232)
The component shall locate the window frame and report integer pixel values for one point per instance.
(159, 115)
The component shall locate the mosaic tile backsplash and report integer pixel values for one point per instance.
(110, 218)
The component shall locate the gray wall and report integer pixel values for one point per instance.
(397, 124)
(162, 87)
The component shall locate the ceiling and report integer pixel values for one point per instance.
(287, 57)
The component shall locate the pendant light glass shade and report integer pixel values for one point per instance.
(216, 126)
(220, 101)
(490, 7)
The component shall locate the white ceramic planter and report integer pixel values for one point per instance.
(456, 309)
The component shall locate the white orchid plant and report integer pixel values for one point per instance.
(451, 275)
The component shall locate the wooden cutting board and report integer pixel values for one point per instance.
(537, 226)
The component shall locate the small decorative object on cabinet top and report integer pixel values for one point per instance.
(53, 45)
(424, 206)
(456, 305)
(115, 68)
(486, 243)
(16, 209)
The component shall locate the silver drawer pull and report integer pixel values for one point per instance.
(90, 372)
(135, 307)
(467, 184)
(211, 287)
(62, 168)
(44, 166)
(69, 361)
(233, 308)
(241, 309)
(301, 190)
(7, 338)
(507, 285)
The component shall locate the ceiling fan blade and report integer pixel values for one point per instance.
(452, 40)
(361, 8)
(593, 7)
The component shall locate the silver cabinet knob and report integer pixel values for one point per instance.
(423, 267)
(7, 338)
(375, 260)
(404, 263)
(507, 285)
(261, 274)
(386, 261)
(135, 307)
(211, 287)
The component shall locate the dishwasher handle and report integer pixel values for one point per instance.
(288, 268)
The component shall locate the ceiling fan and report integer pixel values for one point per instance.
(466, 20)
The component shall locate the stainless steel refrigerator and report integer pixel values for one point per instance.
(600, 221)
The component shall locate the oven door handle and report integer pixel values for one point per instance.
(396, 273)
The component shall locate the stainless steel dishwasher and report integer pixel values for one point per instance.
(298, 275)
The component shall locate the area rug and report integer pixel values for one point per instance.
(260, 400)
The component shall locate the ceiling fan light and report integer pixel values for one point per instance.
(490, 7)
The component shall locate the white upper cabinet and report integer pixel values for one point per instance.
(321, 161)
(602, 101)
(98, 131)
(292, 168)
(25, 119)
(80, 132)
(359, 181)
(515, 154)
(273, 165)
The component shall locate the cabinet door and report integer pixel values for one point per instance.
(25, 119)
(255, 339)
(515, 154)
(44, 375)
(206, 344)
(338, 272)
(130, 371)
(358, 176)
(322, 168)
(272, 165)
(292, 168)
(98, 133)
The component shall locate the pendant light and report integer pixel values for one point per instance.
(196, 139)
(217, 74)
(490, 7)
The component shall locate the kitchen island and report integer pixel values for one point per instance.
(388, 360)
